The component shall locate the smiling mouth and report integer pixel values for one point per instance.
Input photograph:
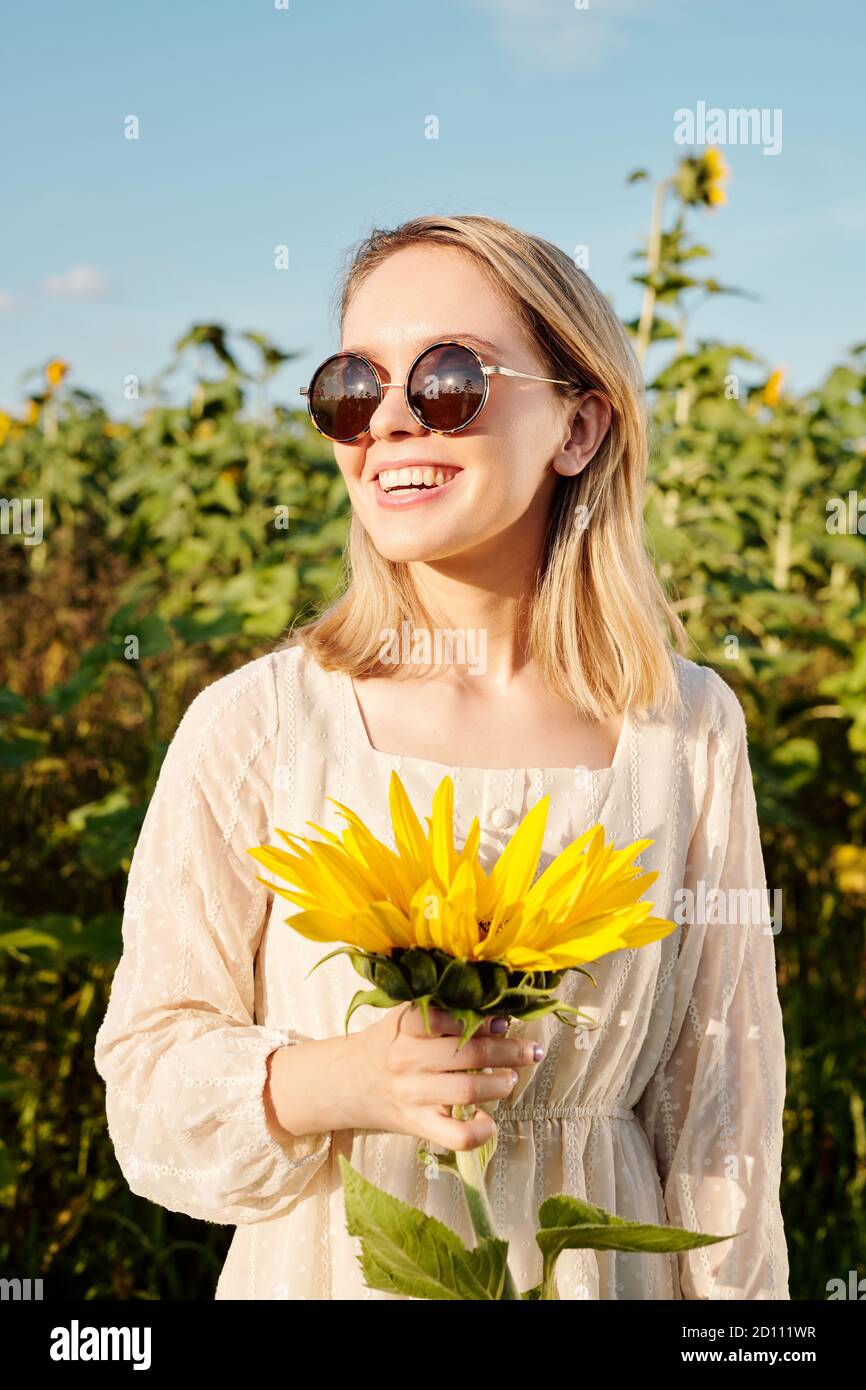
(415, 480)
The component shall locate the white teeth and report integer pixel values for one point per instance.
(391, 478)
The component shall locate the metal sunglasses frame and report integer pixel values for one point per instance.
(486, 371)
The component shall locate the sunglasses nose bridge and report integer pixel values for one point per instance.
(407, 415)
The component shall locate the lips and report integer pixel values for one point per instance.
(420, 476)
(398, 494)
(396, 465)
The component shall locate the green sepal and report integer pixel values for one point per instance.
(472, 1021)
(420, 970)
(423, 1003)
(498, 985)
(389, 978)
(460, 986)
(352, 951)
(375, 997)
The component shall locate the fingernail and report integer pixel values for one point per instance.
(499, 1025)
(537, 1051)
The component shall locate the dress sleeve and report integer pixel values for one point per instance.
(713, 1109)
(183, 1061)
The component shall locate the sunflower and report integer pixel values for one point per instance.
(772, 392)
(699, 179)
(55, 372)
(428, 924)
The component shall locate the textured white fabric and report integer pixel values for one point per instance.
(670, 1111)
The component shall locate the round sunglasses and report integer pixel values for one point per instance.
(446, 388)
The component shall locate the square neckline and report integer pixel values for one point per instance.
(357, 717)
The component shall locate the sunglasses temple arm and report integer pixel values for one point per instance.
(512, 371)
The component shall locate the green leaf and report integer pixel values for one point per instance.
(24, 939)
(570, 1224)
(10, 702)
(15, 752)
(97, 939)
(11, 1084)
(63, 697)
(404, 1251)
(207, 624)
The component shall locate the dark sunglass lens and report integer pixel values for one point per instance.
(343, 397)
(446, 387)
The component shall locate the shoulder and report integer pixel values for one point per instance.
(711, 704)
(303, 684)
(248, 691)
(231, 722)
(716, 720)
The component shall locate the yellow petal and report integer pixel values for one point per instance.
(410, 837)
(442, 831)
(513, 871)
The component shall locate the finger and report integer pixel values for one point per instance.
(441, 1054)
(463, 1088)
(442, 1023)
(497, 1025)
(456, 1135)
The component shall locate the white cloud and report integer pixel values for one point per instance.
(79, 282)
(555, 36)
(7, 302)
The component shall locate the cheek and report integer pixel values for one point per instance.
(515, 462)
(348, 461)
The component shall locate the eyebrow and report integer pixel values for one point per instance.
(472, 338)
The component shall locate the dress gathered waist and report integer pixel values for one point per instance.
(564, 1112)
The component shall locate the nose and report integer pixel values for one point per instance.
(392, 415)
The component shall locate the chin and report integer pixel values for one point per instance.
(414, 549)
(411, 541)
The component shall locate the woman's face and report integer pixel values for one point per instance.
(500, 466)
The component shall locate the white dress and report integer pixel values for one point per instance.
(670, 1112)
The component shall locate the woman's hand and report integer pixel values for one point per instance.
(394, 1076)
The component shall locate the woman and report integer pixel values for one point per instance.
(496, 501)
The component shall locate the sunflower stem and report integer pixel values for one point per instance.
(470, 1169)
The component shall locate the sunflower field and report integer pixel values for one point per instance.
(141, 558)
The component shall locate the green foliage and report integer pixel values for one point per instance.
(183, 542)
(404, 1251)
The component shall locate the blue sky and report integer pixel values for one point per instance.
(305, 127)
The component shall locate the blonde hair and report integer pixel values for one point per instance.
(599, 627)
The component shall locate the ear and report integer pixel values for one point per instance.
(589, 424)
